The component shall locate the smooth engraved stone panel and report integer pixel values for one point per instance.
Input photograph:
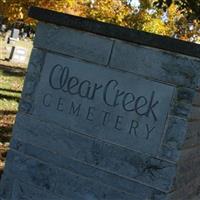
(117, 107)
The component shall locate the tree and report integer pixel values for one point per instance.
(187, 19)
(18, 9)
(123, 13)
(189, 8)
(111, 11)
(164, 17)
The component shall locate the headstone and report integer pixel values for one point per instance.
(7, 35)
(3, 28)
(15, 34)
(18, 55)
(107, 113)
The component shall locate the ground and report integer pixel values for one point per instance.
(11, 83)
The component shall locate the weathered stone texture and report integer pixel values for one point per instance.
(79, 44)
(174, 138)
(32, 78)
(156, 64)
(196, 99)
(85, 170)
(112, 158)
(188, 177)
(59, 181)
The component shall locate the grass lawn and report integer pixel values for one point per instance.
(11, 82)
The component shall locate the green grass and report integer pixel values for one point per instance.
(10, 90)
(11, 82)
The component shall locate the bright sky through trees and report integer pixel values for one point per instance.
(135, 3)
(141, 15)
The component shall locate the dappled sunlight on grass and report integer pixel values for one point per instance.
(6, 124)
(10, 91)
(11, 82)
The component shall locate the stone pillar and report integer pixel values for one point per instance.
(107, 113)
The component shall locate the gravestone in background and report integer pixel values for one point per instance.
(107, 113)
(19, 54)
(15, 34)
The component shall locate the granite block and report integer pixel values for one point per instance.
(156, 64)
(113, 158)
(79, 44)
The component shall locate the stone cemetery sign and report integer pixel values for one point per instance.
(103, 103)
(107, 113)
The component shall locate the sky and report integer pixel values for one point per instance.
(135, 3)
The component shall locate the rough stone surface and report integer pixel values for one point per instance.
(59, 181)
(196, 100)
(32, 79)
(83, 169)
(108, 157)
(79, 44)
(193, 135)
(173, 139)
(156, 64)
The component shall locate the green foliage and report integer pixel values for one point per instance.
(189, 8)
(18, 9)
(115, 12)
(182, 17)
(10, 93)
